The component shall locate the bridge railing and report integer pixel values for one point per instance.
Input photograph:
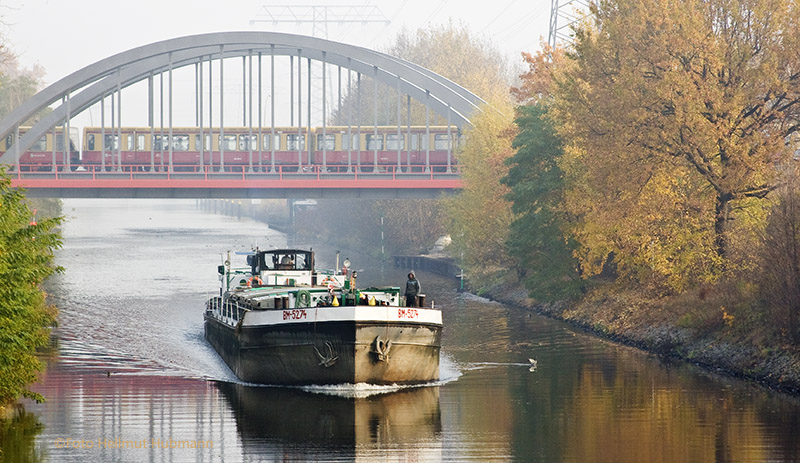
(234, 172)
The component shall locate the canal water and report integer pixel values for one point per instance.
(131, 378)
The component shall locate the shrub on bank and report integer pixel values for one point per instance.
(26, 260)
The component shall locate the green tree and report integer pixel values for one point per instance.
(26, 259)
(537, 235)
(676, 113)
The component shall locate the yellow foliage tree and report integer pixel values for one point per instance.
(677, 112)
(454, 52)
(480, 215)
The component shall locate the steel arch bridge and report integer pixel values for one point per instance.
(108, 77)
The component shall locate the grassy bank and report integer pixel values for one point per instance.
(712, 327)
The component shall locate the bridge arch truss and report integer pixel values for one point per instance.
(80, 90)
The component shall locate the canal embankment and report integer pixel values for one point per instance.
(652, 325)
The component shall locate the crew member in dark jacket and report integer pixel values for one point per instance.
(412, 289)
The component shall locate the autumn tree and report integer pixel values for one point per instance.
(676, 113)
(780, 257)
(537, 237)
(454, 52)
(480, 214)
(17, 83)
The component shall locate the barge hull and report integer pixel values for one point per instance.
(332, 352)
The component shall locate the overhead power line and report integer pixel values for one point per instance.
(319, 16)
(563, 15)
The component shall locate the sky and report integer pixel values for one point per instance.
(63, 36)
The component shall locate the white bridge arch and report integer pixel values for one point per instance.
(87, 86)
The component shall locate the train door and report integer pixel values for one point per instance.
(295, 151)
(202, 146)
(395, 144)
(127, 152)
(325, 151)
(268, 141)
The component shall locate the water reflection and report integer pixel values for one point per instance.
(588, 400)
(301, 425)
(18, 431)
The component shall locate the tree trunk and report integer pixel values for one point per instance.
(722, 210)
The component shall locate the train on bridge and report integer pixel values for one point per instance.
(195, 149)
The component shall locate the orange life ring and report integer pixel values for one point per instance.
(328, 280)
(254, 280)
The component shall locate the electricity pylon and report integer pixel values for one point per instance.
(319, 16)
(563, 14)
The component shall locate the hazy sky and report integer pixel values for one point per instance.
(63, 36)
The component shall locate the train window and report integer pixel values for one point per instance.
(346, 145)
(140, 142)
(206, 145)
(228, 142)
(394, 141)
(90, 142)
(246, 141)
(291, 142)
(276, 142)
(160, 142)
(180, 143)
(441, 142)
(127, 142)
(39, 145)
(329, 144)
(60, 142)
(374, 142)
(111, 142)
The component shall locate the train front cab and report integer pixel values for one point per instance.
(44, 154)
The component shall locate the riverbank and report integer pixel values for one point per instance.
(714, 341)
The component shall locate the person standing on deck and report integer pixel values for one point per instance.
(412, 289)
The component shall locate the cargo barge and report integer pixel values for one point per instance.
(280, 321)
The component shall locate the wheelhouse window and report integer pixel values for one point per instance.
(329, 143)
(292, 144)
(394, 141)
(286, 260)
(374, 142)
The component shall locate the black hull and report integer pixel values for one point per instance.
(331, 352)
